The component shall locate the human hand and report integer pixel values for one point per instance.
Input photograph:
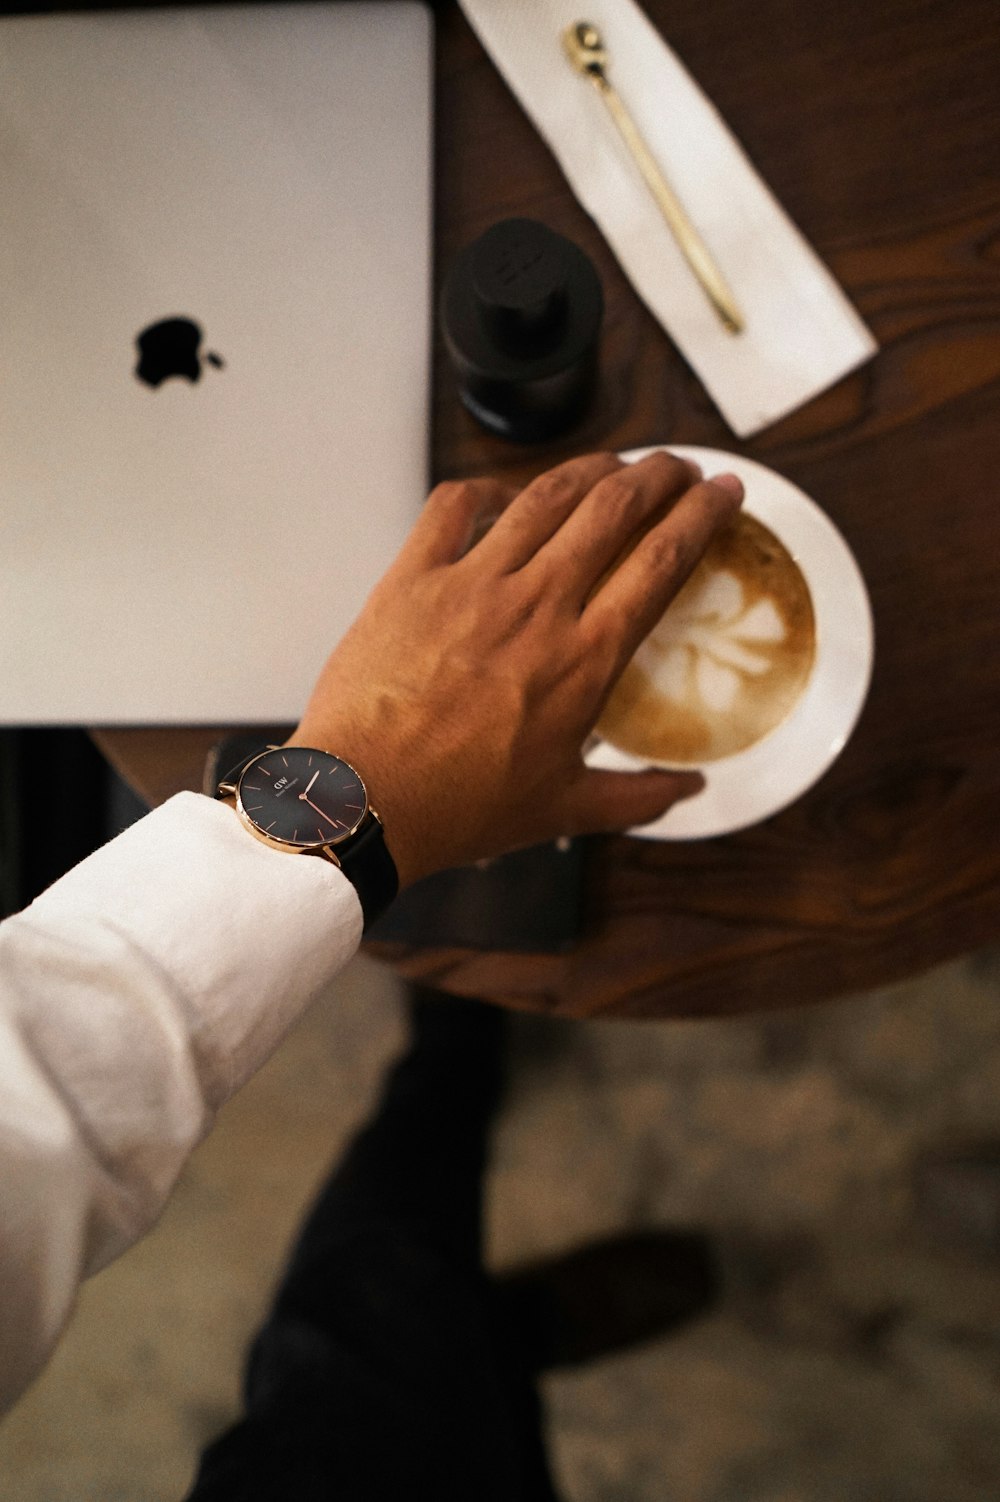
(466, 688)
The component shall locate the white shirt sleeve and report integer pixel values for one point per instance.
(136, 995)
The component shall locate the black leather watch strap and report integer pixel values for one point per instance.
(229, 756)
(368, 866)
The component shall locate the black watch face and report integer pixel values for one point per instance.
(297, 796)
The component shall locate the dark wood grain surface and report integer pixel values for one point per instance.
(879, 130)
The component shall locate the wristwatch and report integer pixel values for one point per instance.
(310, 802)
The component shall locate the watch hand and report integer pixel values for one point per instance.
(335, 822)
(304, 797)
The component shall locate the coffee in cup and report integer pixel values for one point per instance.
(728, 660)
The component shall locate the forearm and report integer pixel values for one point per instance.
(135, 996)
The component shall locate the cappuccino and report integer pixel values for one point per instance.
(728, 660)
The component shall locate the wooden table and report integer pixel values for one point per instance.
(879, 130)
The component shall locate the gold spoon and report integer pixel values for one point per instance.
(584, 46)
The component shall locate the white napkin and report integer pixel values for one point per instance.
(801, 333)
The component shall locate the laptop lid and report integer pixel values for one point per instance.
(214, 350)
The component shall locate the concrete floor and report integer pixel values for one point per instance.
(855, 1356)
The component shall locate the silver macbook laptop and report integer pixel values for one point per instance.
(214, 350)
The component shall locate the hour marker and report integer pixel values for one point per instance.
(285, 760)
(355, 806)
(252, 810)
(295, 835)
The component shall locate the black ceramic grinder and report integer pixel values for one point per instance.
(521, 311)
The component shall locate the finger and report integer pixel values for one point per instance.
(610, 519)
(630, 601)
(541, 508)
(487, 519)
(450, 518)
(600, 802)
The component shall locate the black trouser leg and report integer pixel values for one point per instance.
(382, 1371)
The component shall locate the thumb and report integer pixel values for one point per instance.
(601, 802)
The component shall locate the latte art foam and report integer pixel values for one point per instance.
(728, 660)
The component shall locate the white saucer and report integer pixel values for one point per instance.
(750, 786)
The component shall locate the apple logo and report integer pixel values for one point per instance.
(170, 348)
